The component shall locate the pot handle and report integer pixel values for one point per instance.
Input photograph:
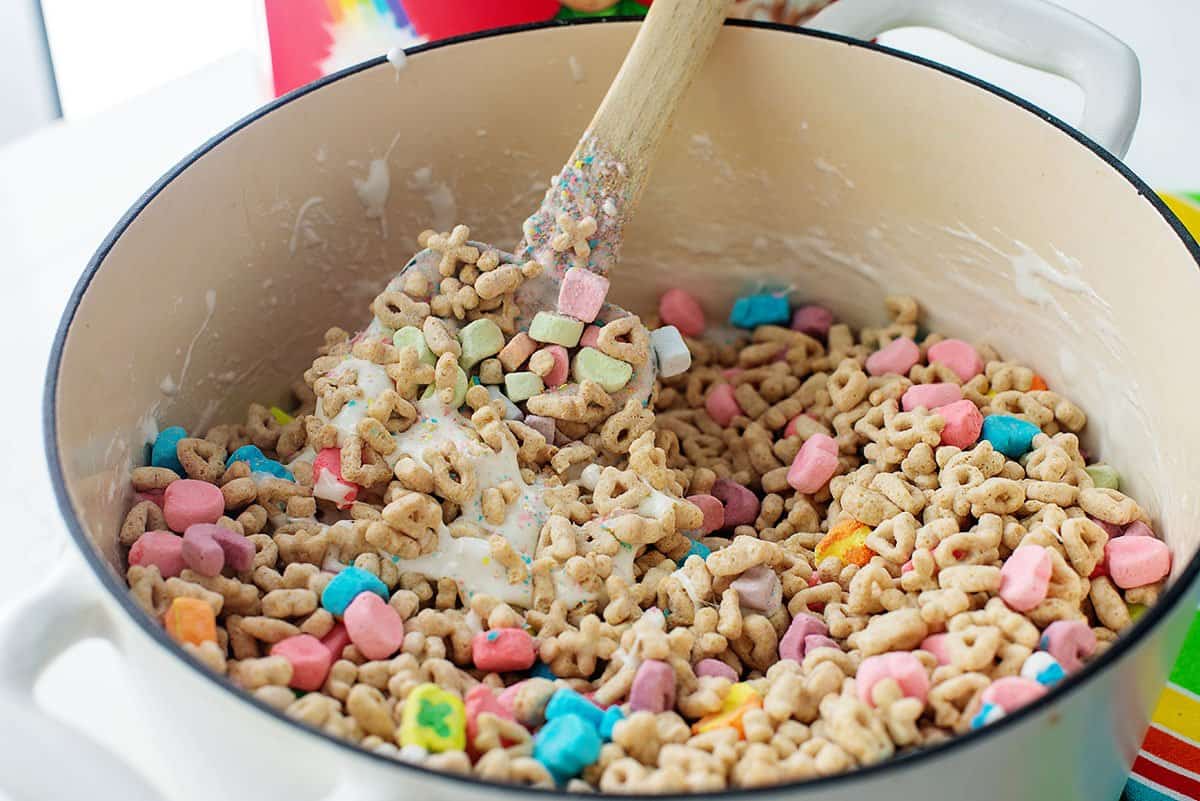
(45, 757)
(1035, 33)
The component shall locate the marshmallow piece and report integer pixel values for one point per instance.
(671, 351)
(653, 687)
(412, 337)
(546, 426)
(518, 349)
(680, 309)
(803, 625)
(479, 340)
(1135, 561)
(963, 423)
(347, 585)
(930, 396)
(503, 650)
(1025, 577)
(1105, 476)
(715, 667)
(762, 309)
(590, 337)
(374, 627)
(164, 453)
(721, 405)
(190, 620)
(162, 549)
(813, 320)
(814, 465)
(741, 505)
(902, 666)
(522, 386)
(1070, 642)
(581, 294)
(1012, 436)
(759, 589)
(959, 356)
(511, 412)
(898, 357)
(555, 328)
(188, 501)
(1010, 693)
(309, 658)
(562, 365)
(328, 483)
(713, 509)
(592, 365)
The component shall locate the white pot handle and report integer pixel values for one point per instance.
(1036, 33)
(43, 757)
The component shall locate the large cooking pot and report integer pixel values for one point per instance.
(841, 169)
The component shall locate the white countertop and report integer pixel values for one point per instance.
(62, 189)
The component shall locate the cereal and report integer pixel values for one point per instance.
(807, 549)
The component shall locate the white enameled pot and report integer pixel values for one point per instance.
(840, 169)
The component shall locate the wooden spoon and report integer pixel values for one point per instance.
(582, 219)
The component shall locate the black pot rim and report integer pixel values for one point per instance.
(1168, 602)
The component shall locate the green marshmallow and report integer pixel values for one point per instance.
(410, 337)
(479, 340)
(556, 328)
(1105, 476)
(461, 385)
(592, 365)
(522, 386)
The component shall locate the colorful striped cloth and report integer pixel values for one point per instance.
(1168, 766)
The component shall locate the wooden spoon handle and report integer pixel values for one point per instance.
(670, 49)
(582, 219)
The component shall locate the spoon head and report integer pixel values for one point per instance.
(532, 296)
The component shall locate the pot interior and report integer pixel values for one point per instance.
(839, 172)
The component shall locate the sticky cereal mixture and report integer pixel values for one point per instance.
(810, 550)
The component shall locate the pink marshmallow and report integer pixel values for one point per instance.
(1070, 642)
(790, 430)
(503, 650)
(1025, 577)
(310, 660)
(581, 294)
(812, 320)
(328, 483)
(482, 699)
(715, 667)
(543, 425)
(792, 644)
(963, 423)
(898, 356)
(154, 496)
(931, 396)
(815, 641)
(1111, 529)
(936, 645)
(759, 589)
(713, 509)
(653, 687)
(958, 356)
(720, 404)
(590, 337)
(376, 628)
(680, 309)
(1135, 561)
(730, 373)
(562, 365)
(188, 501)
(162, 549)
(1135, 529)
(741, 505)
(207, 548)
(902, 666)
(337, 639)
(518, 349)
(814, 465)
(1012, 692)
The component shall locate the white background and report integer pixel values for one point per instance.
(132, 116)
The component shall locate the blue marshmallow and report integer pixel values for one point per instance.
(755, 310)
(612, 716)
(163, 454)
(566, 701)
(988, 713)
(1011, 436)
(259, 463)
(347, 585)
(566, 745)
(698, 549)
